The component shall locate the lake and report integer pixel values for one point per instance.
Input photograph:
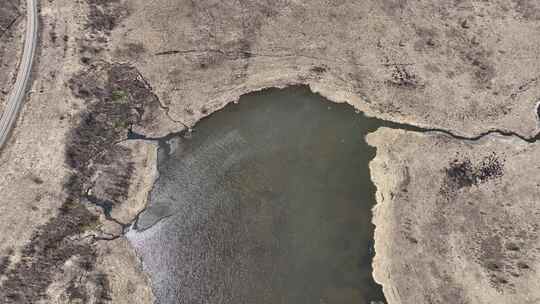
(266, 201)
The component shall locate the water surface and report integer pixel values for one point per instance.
(267, 201)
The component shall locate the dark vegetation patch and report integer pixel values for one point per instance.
(105, 15)
(111, 174)
(404, 78)
(116, 97)
(462, 173)
(131, 51)
(503, 252)
(89, 51)
(408, 231)
(319, 69)
(78, 294)
(538, 110)
(104, 291)
(53, 36)
(498, 243)
(5, 260)
(48, 250)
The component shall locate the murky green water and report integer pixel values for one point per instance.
(268, 201)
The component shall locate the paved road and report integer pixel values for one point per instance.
(16, 98)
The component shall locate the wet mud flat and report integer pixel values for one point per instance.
(266, 201)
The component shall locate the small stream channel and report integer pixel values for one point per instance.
(267, 201)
